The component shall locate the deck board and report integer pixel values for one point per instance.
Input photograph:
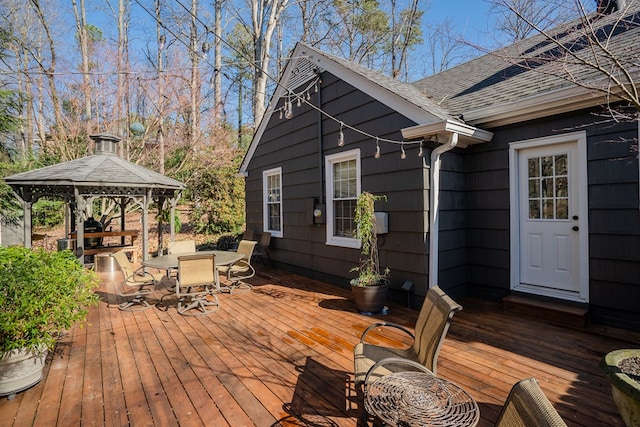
(281, 355)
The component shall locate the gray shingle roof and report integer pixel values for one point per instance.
(533, 66)
(101, 170)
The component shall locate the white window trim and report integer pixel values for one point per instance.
(265, 206)
(329, 161)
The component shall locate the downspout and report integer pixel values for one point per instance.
(435, 208)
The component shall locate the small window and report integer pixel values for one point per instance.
(272, 201)
(343, 187)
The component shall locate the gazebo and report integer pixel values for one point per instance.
(103, 174)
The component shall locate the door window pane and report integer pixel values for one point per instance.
(548, 187)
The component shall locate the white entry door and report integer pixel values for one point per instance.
(549, 204)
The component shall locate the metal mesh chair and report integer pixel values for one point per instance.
(196, 284)
(181, 246)
(262, 249)
(372, 361)
(242, 269)
(527, 406)
(136, 283)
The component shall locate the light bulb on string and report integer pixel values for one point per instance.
(403, 154)
(377, 155)
(299, 103)
(341, 136)
(281, 114)
(288, 111)
(420, 153)
(308, 96)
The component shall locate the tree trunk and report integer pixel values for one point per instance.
(81, 26)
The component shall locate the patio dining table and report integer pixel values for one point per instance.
(170, 262)
(411, 398)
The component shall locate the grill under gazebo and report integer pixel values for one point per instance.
(103, 174)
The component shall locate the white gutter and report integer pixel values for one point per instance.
(435, 209)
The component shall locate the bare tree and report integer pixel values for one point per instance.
(442, 49)
(49, 70)
(265, 15)
(597, 51)
(543, 13)
(217, 66)
(83, 40)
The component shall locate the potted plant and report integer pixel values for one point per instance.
(370, 288)
(622, 369)
(41, 294)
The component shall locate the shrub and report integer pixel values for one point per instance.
(41, 294)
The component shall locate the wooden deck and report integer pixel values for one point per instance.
(281, 355)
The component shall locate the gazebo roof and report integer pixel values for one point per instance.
(101, 174)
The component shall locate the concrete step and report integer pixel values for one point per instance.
(554, 312)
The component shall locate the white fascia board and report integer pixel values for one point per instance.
(467, 134)
(537, 106)
(571, 98)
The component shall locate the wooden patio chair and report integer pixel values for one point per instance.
(372, 361)
(136, 283)
(526, 406)
(196, 284)
(242, 269)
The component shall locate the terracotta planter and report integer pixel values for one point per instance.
(370, 299)
(624, 389)
(19, 370)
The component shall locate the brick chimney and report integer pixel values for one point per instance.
(606, 7)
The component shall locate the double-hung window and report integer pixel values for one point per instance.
(343, 186)
(272, 201)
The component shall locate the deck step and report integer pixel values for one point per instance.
(554, 312)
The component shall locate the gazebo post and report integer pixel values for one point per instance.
(79, 209)
(26, 215)
(145, 224)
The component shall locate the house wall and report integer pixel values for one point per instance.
(613, 202)
(294, 145)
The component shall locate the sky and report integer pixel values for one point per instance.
(472, 18)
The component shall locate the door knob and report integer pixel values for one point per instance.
(575, 217)
(575, 228)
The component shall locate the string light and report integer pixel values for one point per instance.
(288, 110)
(299, 103)
(281, 114)
(341, 136)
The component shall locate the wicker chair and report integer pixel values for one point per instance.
(526, 406)
(196, 284)
(136, 283)
(242, 269)
(372, 361)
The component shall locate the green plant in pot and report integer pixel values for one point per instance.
(41, 295)
(370, 288)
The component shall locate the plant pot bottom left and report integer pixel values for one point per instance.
(20, 370)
